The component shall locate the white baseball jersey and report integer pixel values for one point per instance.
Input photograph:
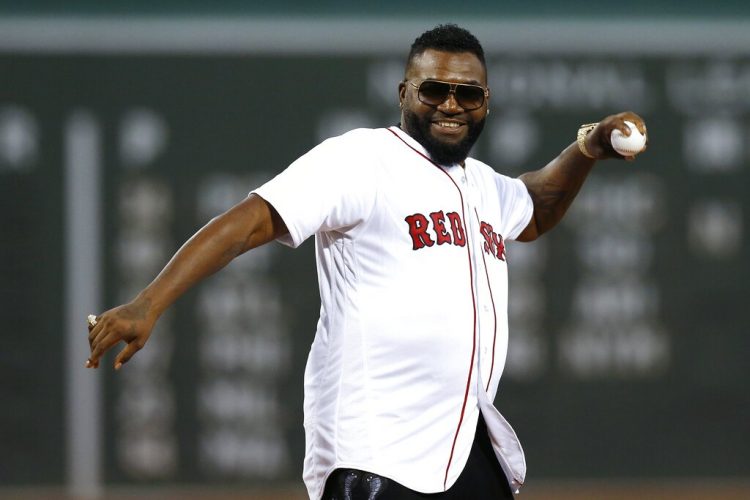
(413, 329)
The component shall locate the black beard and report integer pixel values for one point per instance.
(440, 152)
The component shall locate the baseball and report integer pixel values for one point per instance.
(628, 145)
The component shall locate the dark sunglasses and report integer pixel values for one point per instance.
(435, 92)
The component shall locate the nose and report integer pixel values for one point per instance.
(450, 104)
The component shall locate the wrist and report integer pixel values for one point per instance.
(583, 132)
(145, 307)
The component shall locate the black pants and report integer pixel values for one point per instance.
(481, 479)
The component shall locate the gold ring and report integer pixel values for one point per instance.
(92, 320)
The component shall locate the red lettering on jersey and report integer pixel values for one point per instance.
(459, 236)
(438, 221)
(486, 231)
(499, 246)
(493, 242)
(418, 225)
(421, 231)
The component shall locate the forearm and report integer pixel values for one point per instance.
(554, 187)
(247, 225)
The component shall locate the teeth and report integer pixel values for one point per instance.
(448, 124)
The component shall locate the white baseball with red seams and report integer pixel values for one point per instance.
(413, 329)
(629, 145)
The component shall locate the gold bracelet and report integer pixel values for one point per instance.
(583, 131)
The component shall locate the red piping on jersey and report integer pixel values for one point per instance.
(473, 301)
(494, 311)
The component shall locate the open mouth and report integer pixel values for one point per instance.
(448, 126)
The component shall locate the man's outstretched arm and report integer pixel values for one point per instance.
(249, 224)
(554, 187)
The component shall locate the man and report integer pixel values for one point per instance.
(410, 239)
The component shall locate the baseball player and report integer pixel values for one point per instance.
(410, 242)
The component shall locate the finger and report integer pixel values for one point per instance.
(94, 345)
(103, 345)
(625, 129)
(94, 331)
(126, 354)
(637, 121)
(100, 334)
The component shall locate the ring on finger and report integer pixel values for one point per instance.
(91, 318)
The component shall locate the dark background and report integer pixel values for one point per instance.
(629, 323)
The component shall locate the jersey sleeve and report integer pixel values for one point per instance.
(330, 188)
(517, 206)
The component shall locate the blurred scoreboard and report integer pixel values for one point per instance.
(629, 323)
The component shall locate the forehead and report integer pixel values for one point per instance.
(463, 67)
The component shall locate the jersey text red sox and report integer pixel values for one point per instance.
(441, 228)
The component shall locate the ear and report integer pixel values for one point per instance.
(401, 93)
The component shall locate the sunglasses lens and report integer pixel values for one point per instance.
(433, 93)
(469, 96)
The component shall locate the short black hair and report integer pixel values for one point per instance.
(448, 38)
